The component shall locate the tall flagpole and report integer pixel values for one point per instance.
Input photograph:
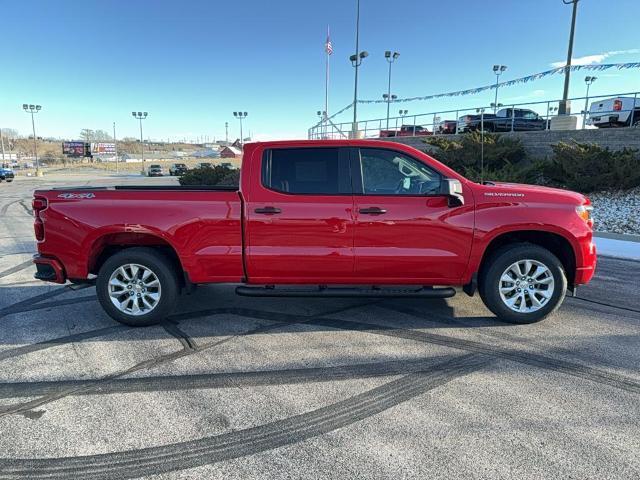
(328, 48)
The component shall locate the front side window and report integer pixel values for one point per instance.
(304, 171)
(385, 172)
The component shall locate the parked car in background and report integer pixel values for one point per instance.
(505, 120)
(155, 171)
(178, 169)
(406, 131)
(320, 215)
(6, 174)
(204, 165)
(615, 112)
(446, 127)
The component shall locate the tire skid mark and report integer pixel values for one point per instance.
(39, 306)
(257, 378)
(33, 303)
(527, 358)
(185, 340)
(26, 349)
(5, 207)
(249, 441)
(604, 304)
(16, 268)
(25, 407)
(26, 207)
(54, 342)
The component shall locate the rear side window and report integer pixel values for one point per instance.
(321, 171)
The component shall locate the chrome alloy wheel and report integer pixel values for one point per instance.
(526, 286)
(134, 289)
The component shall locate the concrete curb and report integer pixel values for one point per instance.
(618, 236)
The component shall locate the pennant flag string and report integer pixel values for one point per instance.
(509, 83)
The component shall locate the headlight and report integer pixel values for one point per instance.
(584, 212)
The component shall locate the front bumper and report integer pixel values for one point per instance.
(585, 272)
(49, 269)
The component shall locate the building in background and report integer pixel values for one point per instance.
(230, 152)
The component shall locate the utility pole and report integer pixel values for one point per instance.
(564, 107)
(2, 143)
(226, 133)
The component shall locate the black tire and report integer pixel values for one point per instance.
(497, 264)
(163, 269)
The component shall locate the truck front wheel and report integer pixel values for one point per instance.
(523, 283)
(137, 287)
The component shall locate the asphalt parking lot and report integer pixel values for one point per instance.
(241, 388)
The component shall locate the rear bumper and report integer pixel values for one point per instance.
(49, 269)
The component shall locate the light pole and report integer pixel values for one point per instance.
(481, 112)
(240, 116)
(391, 57)
(322, 114)
(588, 80)
(356, 61)
(498, 70)
(565, 108)
(226, 133)
(495, 106)
(141, 116)
(32, 109)
(402, 113)
(388, 98)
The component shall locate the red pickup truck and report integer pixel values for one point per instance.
(327, 218)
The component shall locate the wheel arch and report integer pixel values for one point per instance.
(557, 244)
(110, 243)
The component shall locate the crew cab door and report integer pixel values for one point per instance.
(299, 217)
(405, 230)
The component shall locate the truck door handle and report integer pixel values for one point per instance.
(268, 210)
(372, 211)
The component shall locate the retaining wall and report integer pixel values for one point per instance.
(538, 144)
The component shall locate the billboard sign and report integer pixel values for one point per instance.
(103, 148)
(73, 149)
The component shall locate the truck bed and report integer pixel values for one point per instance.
(200, 227)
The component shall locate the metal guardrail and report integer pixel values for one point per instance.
(432, 121)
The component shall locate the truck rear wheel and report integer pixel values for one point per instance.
(523, 283)
(137, 287)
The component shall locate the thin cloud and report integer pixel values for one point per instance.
(595, 59)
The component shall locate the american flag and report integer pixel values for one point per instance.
(328, 46)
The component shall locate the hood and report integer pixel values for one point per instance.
(526, 192)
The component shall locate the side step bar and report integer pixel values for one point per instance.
(444, 292)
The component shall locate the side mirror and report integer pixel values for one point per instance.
(452, 188)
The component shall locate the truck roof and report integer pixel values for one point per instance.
(326, 143)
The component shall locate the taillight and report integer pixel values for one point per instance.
(38, 204)
(617, 105)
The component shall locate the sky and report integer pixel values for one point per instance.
(192, 63)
